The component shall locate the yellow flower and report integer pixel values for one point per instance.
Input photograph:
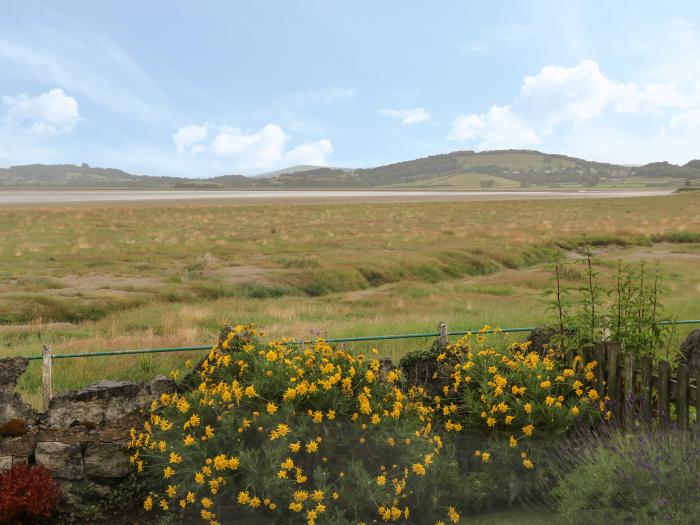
(175, 458)
(528, 429)
(527, 407)
(243, 497)
(491, 422)
(527, 463)
(418, 469)
(453, 514)
(381, 480)
(593, 394)
(271, 408)
(206, 503)
(486, 457)
(545, 384)
(148, 503)
(311, 447)
(168, 472)
(295, 447)
(301, 495)
(182, 405)
(512, 442)
(575, 411)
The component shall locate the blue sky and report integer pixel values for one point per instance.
(214, 87)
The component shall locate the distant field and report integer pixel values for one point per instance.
(94, 278)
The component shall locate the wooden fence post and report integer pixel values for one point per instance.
(682, 407)
(599, 356)
(613, 387)
(46, 375)
(442, 328)
(645, 390)
(662, 388)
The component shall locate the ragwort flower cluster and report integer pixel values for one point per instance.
(292, 434)
(518, 394)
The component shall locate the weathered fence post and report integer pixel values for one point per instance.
(46, 375)
(613, 387)
(662, 387)
(645, 390)
(442, 328)
(599, 356)
(682, 413)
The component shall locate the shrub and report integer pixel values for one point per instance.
(642, 478)
(287, 433)
(27, 495)
(515, 394)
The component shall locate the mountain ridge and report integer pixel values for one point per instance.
(458, 169)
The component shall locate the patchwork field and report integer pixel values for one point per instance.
(97, 278)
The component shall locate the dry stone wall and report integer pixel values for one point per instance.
(81, 438)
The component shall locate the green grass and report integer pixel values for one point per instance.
(173, 275)
(464, 181)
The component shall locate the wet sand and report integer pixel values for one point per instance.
(52, 198)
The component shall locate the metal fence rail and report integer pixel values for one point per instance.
(443, 334)
(417, 335)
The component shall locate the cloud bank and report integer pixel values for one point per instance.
(248, 150)
(47, 114)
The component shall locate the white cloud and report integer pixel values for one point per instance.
(408, 116)
(188, 138)
(49, 113)
(559, 101)
(315, 153)
(233, 148)
(251, 150)
(497, 129)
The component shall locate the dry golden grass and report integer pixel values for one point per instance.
(173, 275)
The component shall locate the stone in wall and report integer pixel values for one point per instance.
(12, 408)
(104, 403)
(64, 460)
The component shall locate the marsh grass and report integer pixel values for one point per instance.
(173, 275)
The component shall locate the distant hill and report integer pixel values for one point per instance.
(284, 171)
(459, 169)
(83, 176)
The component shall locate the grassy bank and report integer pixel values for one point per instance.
(87, 279)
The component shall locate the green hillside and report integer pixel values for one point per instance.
(456, 170)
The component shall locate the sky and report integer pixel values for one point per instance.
(220, 87)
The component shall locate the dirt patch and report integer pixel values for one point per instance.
(662, 251)
(104, 285)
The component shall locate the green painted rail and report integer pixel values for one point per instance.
(335, 340)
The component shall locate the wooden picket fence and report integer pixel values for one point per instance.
(643, 392)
